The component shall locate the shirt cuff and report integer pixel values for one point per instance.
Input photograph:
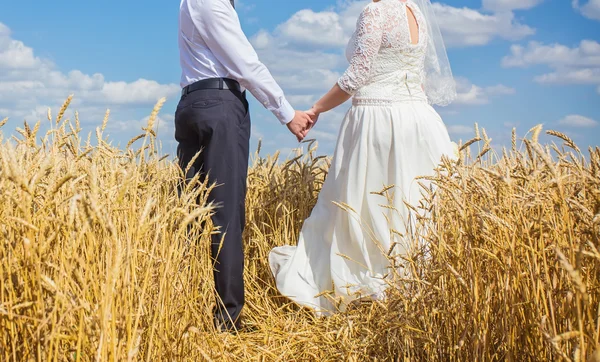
(285, 113)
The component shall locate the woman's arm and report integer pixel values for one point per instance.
(329, 101)
(332, 99)
(369, 33)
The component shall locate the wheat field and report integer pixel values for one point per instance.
(100, 260)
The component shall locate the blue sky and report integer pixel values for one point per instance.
(518, 63)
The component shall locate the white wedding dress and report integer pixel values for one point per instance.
(390, 136)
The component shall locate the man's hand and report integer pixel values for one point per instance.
(300, 125)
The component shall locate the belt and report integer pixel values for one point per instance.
(212, 83)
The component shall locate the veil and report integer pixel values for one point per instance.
(438, 82)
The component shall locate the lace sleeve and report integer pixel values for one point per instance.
(367, 40)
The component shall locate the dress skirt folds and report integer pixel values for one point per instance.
(341, 254)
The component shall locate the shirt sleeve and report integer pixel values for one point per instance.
(367, 41)
(220, 27)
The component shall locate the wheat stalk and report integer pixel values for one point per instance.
(62, 110)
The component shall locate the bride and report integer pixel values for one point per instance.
(390, 136)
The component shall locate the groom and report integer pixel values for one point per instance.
(218, 65)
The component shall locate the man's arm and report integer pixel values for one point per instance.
(220, 28)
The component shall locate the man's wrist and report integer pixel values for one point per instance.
(285, 113)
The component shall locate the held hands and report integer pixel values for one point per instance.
(300, 125)
(314, 117)
(303, 122)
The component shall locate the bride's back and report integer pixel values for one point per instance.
(395, 73)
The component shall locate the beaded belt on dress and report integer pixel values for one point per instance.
(408, 90)
(386, 102)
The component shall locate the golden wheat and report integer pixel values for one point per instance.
(101, 260)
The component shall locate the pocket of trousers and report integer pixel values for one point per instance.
(238, 110)
(207, 103)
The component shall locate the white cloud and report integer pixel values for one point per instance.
(471, 94)
(305, 51)
(310, 80)
(305, 62)
(571, 76)
(575, 120)
(509, 5)
(141, 91)
(123, 131)
(241, 5)
(307, 27)
(313, 31)
(15, 55)
(576, 65)
(591, 9)
(585, 55)
(301, 100)
(261, 40)
(4, 30)
(322, 135)
(28, 81)
(499, 90)
(463, 27)
(163, 123)
(459, 129)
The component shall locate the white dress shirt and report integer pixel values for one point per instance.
(213, 45)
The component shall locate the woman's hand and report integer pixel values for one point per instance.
(314, 116)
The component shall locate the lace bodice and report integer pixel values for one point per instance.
(384, 65)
